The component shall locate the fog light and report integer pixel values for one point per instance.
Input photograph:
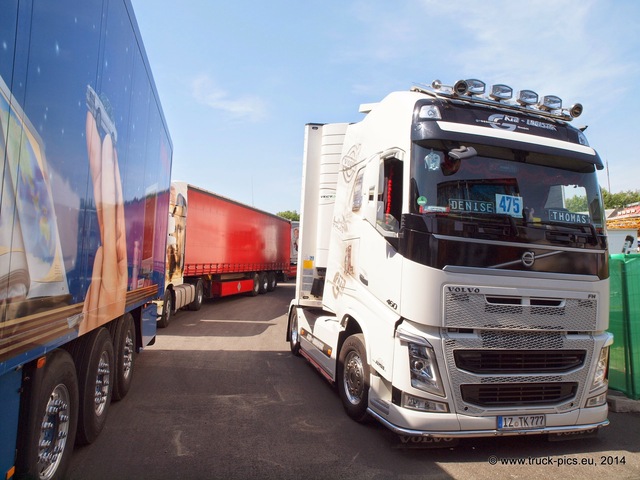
(597, 401)
(423, 404)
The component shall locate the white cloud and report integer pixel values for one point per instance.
(206, 92)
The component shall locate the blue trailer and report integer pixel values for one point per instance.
(85, 167)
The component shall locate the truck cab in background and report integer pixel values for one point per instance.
(453, 261)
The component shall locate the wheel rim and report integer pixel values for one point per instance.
(127, 361)
(102, 384)
(353, 378)
(294, 331)
(168, 307)
(53, 432)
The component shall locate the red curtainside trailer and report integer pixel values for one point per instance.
(218, 247)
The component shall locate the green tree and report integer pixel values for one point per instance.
(577, 204)
(610, 200)
(292, 215)
(620, 199)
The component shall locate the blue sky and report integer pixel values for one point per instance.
(239, 79)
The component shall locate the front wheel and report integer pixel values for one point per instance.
(294, 333)
(167, 307)
(353, 377)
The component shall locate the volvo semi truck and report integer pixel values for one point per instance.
(218, 247)
(453, 275)
(85, 166)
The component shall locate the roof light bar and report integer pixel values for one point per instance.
(501, 96)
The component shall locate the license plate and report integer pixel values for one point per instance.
(521, 422)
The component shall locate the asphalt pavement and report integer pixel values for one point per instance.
(219, 396)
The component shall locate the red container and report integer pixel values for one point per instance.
(224, 236)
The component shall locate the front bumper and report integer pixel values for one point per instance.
(448, 425)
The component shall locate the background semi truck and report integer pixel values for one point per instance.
(85, 164)
(454, 273)
(218, 247)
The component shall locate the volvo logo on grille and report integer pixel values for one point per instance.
(528, 259)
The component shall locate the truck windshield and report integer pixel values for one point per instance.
(492, 183)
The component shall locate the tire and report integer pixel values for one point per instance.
(197, 301)
(353, 377)
(167, 310)
(272, 281)
(256, 285)
(52, 423)
(95, 383)
(264, 283)
(294, 333)
(124, 356)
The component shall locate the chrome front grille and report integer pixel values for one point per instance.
(518, 361)
(504, 351)
(519, 394)
(500, 309)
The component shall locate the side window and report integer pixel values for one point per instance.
(389, 207)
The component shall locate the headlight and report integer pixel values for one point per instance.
(424, 369)
(600, 376)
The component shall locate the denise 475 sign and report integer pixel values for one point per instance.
(509, 205)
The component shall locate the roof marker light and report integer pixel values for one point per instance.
(551, 102)
(501, 92)
(527, 97)
(430, 112)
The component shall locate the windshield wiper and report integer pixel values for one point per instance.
(488, 223)
(563, 236)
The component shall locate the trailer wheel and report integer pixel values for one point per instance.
(95, 374)
(264, 282)
(167, 310)
(272, 281)
(256, 285)
(52, 423)
(125, 354)
(197, 301)
(294, 334)
(353, 377)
